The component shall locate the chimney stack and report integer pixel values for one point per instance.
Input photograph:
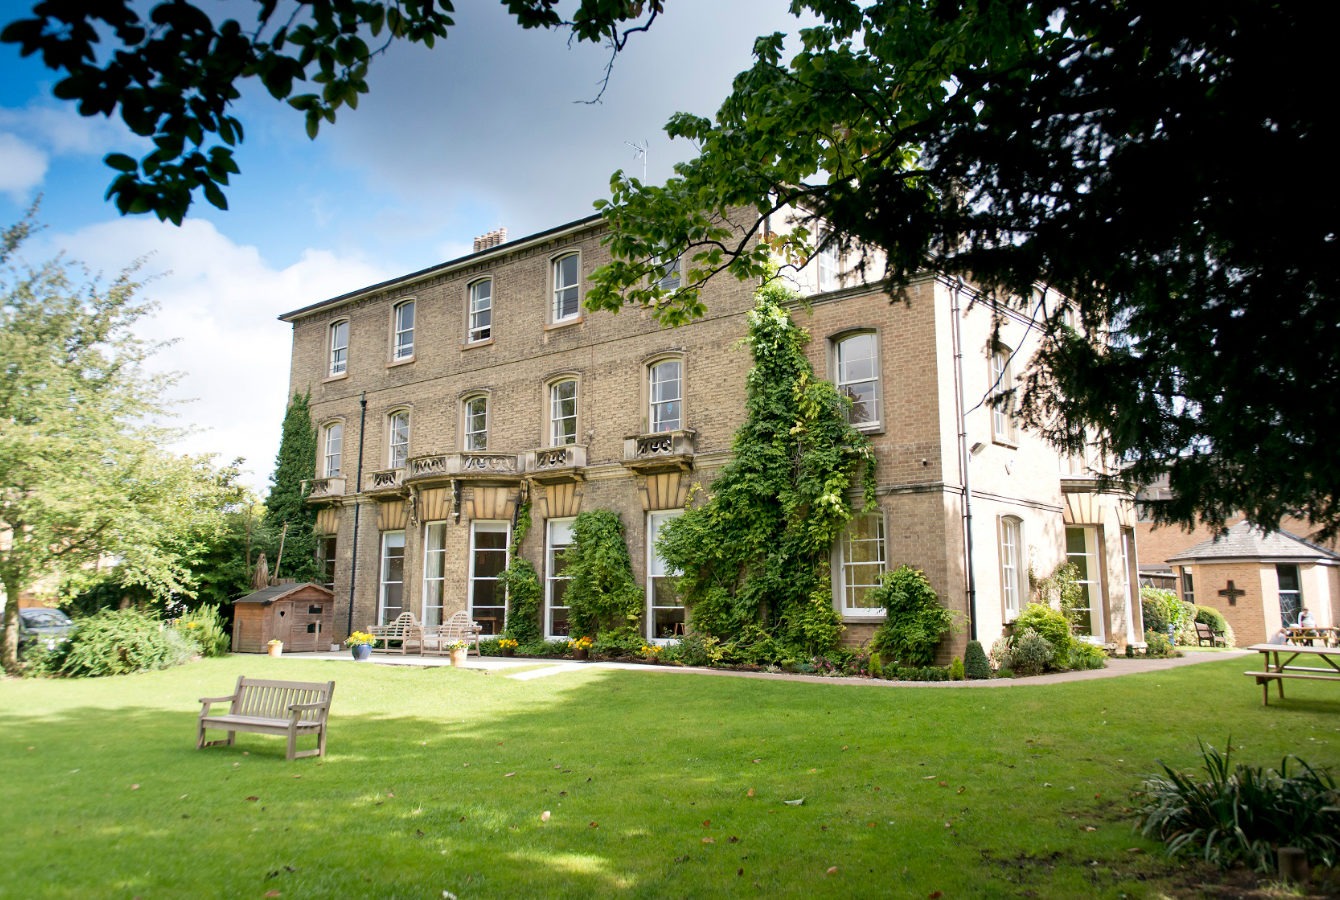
(492, 239)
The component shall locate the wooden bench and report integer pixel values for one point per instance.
(439, 638)
(286, 708)
(400, 632)
(1207, 635)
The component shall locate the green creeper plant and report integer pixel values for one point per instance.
(754, 557)
(604, 600)
(284, 505)
(522, 585)
(915, 621)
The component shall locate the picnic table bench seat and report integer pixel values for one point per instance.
(285, 708)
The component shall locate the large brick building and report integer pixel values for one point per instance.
(446, 398)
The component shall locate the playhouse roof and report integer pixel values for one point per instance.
(275, 592)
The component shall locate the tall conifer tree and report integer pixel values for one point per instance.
(295, 463)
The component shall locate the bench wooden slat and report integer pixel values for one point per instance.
(287, 708)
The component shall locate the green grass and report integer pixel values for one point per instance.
(658, 784)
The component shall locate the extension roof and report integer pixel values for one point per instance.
(1249, 543)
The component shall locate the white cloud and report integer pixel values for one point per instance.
(218, 300)
(22, 167)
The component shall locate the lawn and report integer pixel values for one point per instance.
(656, 784)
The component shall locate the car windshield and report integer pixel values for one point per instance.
(44, 618)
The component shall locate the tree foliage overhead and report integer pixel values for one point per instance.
(83, 480)
(754, 558)
(1160, 164)
(289, 519)
(175, 74)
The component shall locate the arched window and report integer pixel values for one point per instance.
(332, 450)
(666, 396)
(857, 365)
(480, 326)
(397, 440)
(563, 412)
(476, 422)
(339, 347)
(1002, 380)
(402, 338)
(567, 293)
(1013, 590)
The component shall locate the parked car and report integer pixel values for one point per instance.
(39, 623)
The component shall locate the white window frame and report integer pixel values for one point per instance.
(397, 439)
(385, 581)
(477, 527)
(657, 420)
(1002, 380)
(828, 275)
(474, 440)
(552, 547)
(560, 437)
(332, 450)
(566, 292)
(656, 568)
(480, 305)
(842, 366)
(1013, 567)
(847, 569)
(434, 571)
(338, 348)
(402, 331)
(669, 273)
(1092, 582)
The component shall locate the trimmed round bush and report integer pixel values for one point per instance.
(1051, 625)
(1031, 653)
(975, 664)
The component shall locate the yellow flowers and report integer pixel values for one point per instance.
(581, 643)
(506, 644)
(359, 637)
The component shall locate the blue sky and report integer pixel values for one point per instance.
(488, 129)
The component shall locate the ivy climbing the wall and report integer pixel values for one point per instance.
(522, 585)
(754, 558)
(604, 600)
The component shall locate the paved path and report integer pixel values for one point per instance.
(525, 669)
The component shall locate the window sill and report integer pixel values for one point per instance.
(340, 377)
(1002, 441)
(865, 618)
(870, 427)
(400, 362)
(564, 323)
(475, 345)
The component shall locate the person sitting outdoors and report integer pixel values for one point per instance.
(1281, 636)
(1305, 619)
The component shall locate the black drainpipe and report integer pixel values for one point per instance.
(964, 456)
(358, 490)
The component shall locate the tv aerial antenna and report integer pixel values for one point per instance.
(641, 150)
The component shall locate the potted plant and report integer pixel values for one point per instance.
(506, 646)
(580, 647)
(276, 646)
(360, 642)
(457, 650)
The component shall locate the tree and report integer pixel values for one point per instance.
(754, 558)
(175, 75)
(82, 478)
(289, 520)
(1153, 162)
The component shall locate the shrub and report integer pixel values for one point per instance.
(1084, 655)
(1001, 657)
(1157, 645)
(695, 649)
(920, 673)
(204, 627)
(121, 641)
(1162, 608)
(1031, 653)
(956, 669)
(915, 620)
(1244, 813)
(975, 664)
(523, 600)
(1052, 626)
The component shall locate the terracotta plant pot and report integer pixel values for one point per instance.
(458, 657)
(276, 649)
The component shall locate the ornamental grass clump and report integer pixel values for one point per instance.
(1243, 814)
(204, 626)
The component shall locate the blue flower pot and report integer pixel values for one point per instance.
(362, 652)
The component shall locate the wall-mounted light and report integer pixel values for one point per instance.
(977, 448)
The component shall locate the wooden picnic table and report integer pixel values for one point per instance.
(1307, 634)
(1281, 661)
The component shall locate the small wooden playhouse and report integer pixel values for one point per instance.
(300, 615)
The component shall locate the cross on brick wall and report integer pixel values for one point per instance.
(1232, 593)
